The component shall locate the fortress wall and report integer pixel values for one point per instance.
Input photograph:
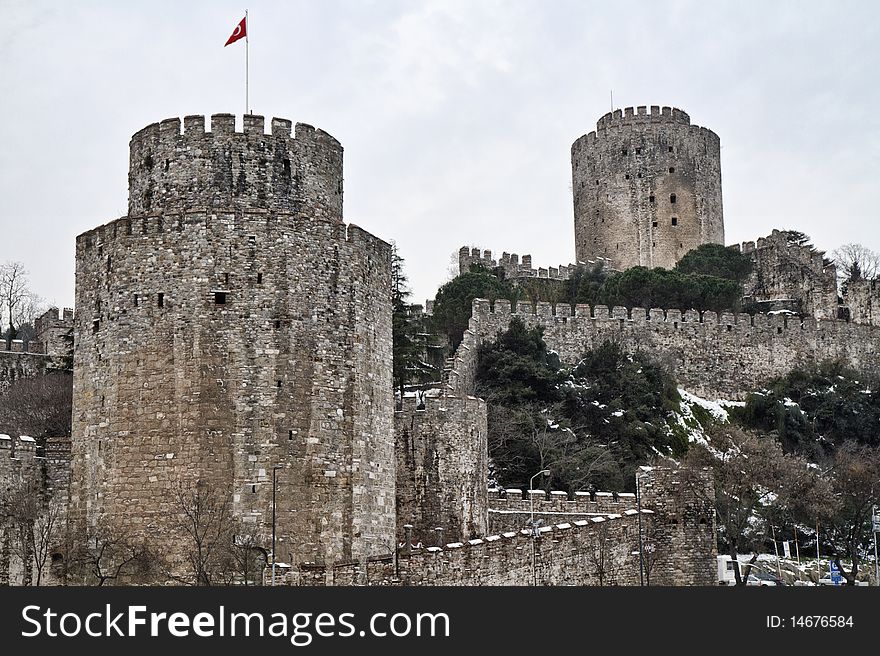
(513, 510)
(512, 265)
(212, 347)
(568, 553)
(712, 355)
(789, 273)
(442, 468)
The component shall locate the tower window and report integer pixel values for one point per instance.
(135, 300)
(597, 183)
(252, 240)
(226, 279)
(651, 198)
(96, 326)
(286, 164)
(259, 278)
(219, 298)
(672, 198)
(653, 224)
(278, 384)
(277, 324)
(253, 489)
(290, 435)
(623, 151)
(638, 151)
(670, 149)
(627, 176)
(674, 220)
(160, 300)
(672, 169)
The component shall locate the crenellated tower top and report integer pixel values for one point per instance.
(174, 170)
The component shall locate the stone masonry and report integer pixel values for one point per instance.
(647, 188)
(229, 325)
(442, 468)
(714, 355)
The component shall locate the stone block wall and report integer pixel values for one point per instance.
(20, 468)
(54, 332)
(213, 345)
(863, 300)
(647, 188)
(713, 355)
(221, 169)
(601, 550)
(513, 267)
(682, 536)
(514, 509)
(442, 468)
(786, 274)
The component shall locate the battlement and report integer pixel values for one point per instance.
(257, 226)
(178, 166)
(640, 316)
(18, 447)
(715, 355)
(515, 500)
(643, 114)
(513, 265)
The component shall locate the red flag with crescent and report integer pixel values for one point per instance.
(239, 32)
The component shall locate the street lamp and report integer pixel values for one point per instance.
(545, 472)
(274, 486)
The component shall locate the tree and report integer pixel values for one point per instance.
(205, 524)
(716, 260)
(855, 479)
(17, 303)
(107, 554)
(756, 484)
(36, 523)
(855, 262)
(40, 406)
(408, 338)
(453, 303)
(584, 284)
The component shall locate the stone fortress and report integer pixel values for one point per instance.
(232, 331)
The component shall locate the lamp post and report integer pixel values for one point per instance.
(274, 487)
(545, 472)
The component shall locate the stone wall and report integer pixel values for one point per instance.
(513, 511)
(213, 345)
(227, 170)
(511, 264)
(863, 300)
(54, 332)
(442, 468)
(682, 536)
(600, 550)
(17, 364)
(789, 276)
(713, 355)
(647, 188)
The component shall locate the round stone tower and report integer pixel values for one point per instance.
(232, 324)
(647, 188)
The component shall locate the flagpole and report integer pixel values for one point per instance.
(247, 29)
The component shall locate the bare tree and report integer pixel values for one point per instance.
(855, 478)
(17, 302)
(36, 523)
(855, 262)
(755, 485)
(40, 406)
(206, 525)
(107, 554)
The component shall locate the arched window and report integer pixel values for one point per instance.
(672, 198)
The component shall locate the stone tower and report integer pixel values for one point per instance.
(647, 188)
(229, 325)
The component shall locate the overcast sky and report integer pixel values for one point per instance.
(456, 116)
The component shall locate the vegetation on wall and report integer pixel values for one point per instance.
(590, 425)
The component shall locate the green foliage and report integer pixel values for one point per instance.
(813, 411)
(591, 425)
(716, 260)
(407, 328)
(584, 285)
(663, 288)
(452, 306)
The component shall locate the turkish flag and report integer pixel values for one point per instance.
(239, 32)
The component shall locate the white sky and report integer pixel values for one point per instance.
(456, 117)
